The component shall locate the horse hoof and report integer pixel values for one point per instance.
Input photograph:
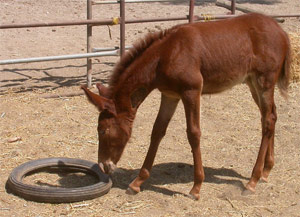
(130, 191)
(248, 191)
(194, 196)
(264, 179)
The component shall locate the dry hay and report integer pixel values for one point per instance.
(295, 66)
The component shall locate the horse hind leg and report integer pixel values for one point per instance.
(167, 109)
(269, 159)
(263, 94)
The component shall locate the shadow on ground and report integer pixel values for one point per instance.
(45, 80)
(174, 173)
(162, 174)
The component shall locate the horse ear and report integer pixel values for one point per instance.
(100, 102)
(103, 91)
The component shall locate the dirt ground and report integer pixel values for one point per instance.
(66, 127)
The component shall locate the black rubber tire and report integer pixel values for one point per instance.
(58, 194)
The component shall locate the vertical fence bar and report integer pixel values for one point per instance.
(233, 6)
(191, 11)
(89, 44)
(122, 27)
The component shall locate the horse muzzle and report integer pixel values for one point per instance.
(107, 167)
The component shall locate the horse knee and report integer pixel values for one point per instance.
(194, 135)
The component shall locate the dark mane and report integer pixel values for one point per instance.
(138, 48)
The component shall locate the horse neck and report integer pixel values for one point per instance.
(135, 84)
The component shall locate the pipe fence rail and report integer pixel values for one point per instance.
(61, 57)
(133, 1)
(122, 21)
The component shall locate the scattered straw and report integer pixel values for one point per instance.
(79, 205)
(131, 207)
(14, 139)
(230, 202)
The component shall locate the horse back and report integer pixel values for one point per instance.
(223, 53)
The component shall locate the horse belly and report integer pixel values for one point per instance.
(222, 81)
(226, 65)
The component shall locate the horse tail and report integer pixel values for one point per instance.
(284, 77)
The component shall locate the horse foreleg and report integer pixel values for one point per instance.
(191, 101)
(265, 159)
(167, 108)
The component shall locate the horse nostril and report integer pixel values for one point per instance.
(107, 167)
(101, 165)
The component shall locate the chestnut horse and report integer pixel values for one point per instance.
(185, 62)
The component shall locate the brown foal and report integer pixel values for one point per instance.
(185, 62)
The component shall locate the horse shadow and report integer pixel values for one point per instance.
(176, 173)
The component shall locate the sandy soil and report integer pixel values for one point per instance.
(66, 127)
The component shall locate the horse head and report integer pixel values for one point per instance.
(113, 133)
